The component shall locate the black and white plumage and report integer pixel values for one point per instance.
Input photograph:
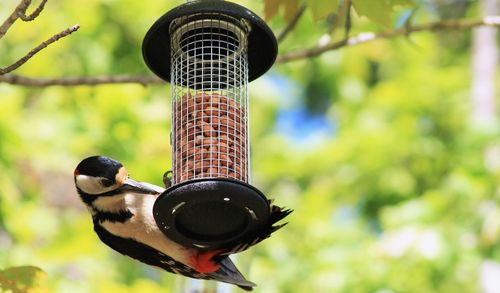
(121, 210)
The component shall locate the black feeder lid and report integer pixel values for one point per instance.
(262, 45)
(211, 213)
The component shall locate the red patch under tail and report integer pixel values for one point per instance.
(204, 262)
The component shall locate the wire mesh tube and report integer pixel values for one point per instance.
(209, 98)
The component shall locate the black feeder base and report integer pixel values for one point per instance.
(211, 213)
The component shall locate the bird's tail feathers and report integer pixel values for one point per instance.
(228, 273)
(277, 214)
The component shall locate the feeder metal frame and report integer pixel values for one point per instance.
(209, 97)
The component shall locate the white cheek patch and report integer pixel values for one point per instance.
(110, 203)
(92, 185)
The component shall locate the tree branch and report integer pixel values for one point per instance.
(291, 25)
(370, 36)
(20, 9)
(38, 48)
(74, 81)
(287, 57)
(22, 14)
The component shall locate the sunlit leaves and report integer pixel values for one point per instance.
(22, 279)
(378, 11)
(320, 9)
(272, 8)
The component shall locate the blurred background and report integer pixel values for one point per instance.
(389, 151)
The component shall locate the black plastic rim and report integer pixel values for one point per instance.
(210, 213)
(262, 44)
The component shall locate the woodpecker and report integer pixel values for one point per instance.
(121, 210)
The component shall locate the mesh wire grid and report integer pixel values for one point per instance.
(209, 98)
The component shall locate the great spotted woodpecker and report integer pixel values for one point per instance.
(121, 210)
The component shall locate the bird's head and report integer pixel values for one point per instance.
(98, 174)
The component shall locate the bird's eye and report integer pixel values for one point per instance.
(106, 182)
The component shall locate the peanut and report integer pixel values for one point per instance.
(213, 111)
(214, 121)
(222, 147)
(194, 153)
(226, 139)
(232, 103)
(202, 98)
(206, 128)
(209, 141)
(215, 101)
(224, 120)
(201, 166)
(198, 140)
(186, 176)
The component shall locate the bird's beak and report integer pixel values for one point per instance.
(140, 187)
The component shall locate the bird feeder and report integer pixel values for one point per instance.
(209, 50)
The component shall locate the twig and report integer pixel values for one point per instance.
(21, 8)
(291, 25)
(347, 25)
(22, 14)
(370, 36)
(343, 15)
(38, 48)
(74, 81)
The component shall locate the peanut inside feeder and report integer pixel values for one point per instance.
(209, 50)
(210, 138)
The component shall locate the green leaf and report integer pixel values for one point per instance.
(376, 11)
(271, 8)
(291, 7)
(320, 9)
(402, 2)
(21, 279)
(379, 11)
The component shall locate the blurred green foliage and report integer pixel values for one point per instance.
(398, 197)
(22, 279)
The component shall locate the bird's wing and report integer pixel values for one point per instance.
(145, 253)
(148, 255)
